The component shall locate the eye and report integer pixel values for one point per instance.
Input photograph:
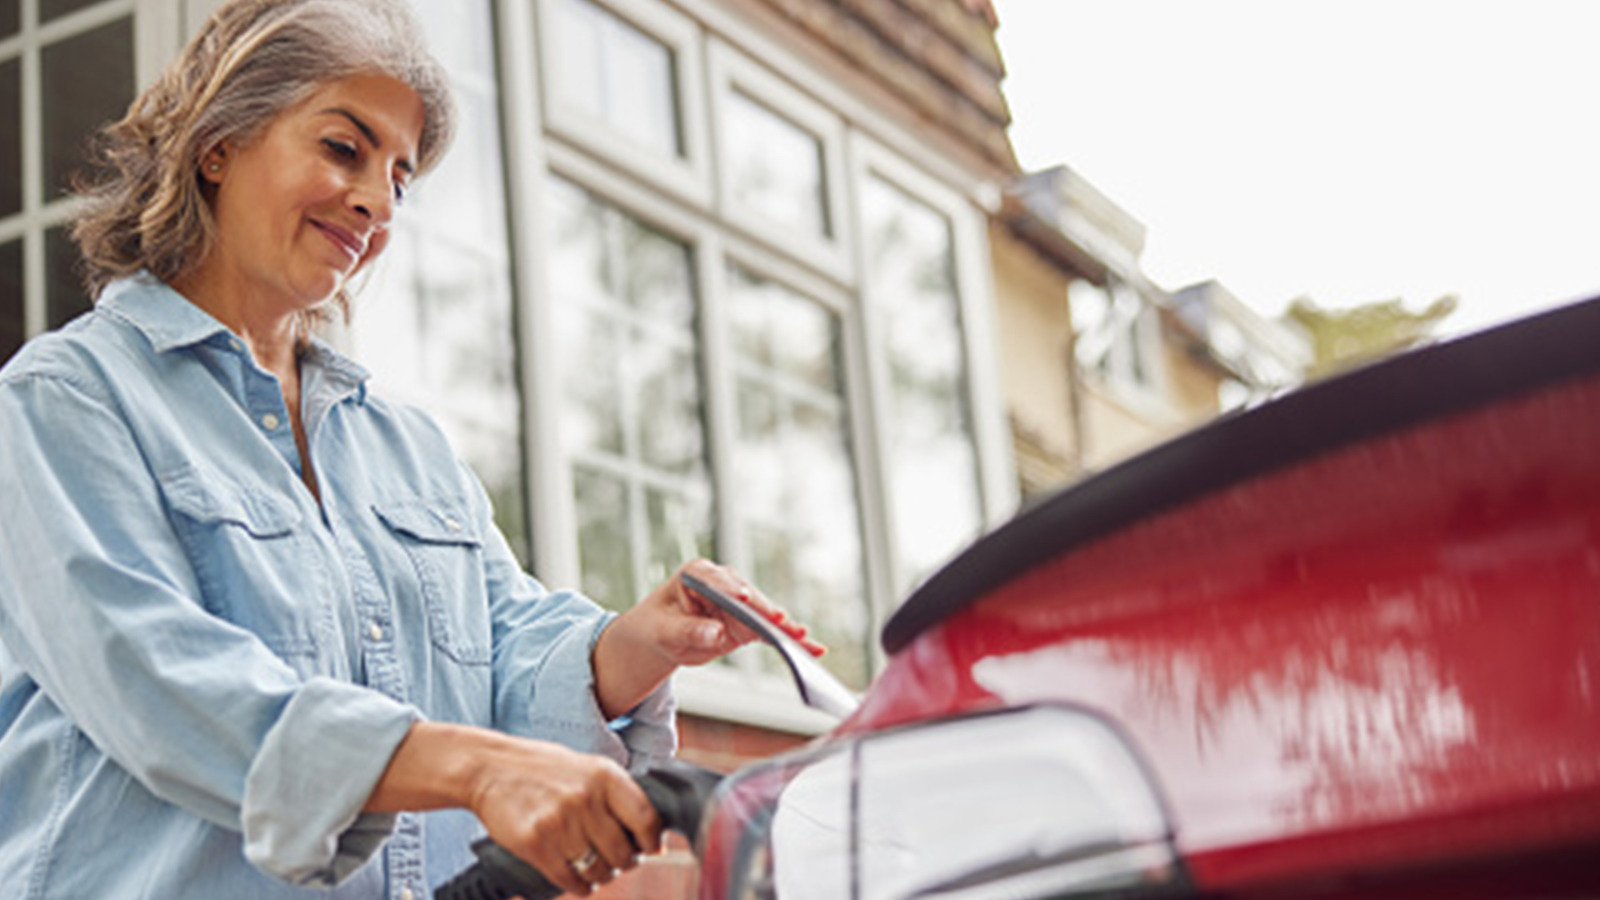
(341, 149)
(400, 188)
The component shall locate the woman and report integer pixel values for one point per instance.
(252, 618)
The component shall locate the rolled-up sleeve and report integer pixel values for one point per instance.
(100, 607)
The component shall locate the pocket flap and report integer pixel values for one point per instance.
(431, 522)
(208, 499)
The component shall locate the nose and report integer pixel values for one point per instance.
(373, 198)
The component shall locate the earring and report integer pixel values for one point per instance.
(214, 168)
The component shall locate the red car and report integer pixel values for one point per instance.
(1343, 644)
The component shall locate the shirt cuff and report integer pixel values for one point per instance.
(304, 792)
(570, 713)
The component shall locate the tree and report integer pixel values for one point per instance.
(1345, 338)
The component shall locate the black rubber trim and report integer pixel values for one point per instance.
(1395, 393)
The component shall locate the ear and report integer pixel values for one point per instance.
(214, 163)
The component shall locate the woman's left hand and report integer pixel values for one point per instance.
(673, 626)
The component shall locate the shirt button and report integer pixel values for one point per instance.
(238, 345)
(452, 524)
(375, 631)
(270, 422)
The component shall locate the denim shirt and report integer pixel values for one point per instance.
(204, 670)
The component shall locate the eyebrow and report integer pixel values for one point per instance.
(367, 132)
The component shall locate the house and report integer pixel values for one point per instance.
(1147, 363)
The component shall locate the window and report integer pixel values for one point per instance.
(622, 79)
(796, 480)
(1119, 338)
(771, 365)
(912, 287)
(775, 167)
(631, 395)
(616, 73)
(781, 163)
(83, 54)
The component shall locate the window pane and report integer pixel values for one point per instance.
(10, 17)
(10, 137)
(776, 167)
(616, 73)
(603, 542)
(54, 9)
(64, 294)
(670, 434)
(12, 325)
(624, 317)
(794, 475)
(680, 530)
(933, 477)
(89, 80)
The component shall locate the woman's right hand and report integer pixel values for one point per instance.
(548, 805)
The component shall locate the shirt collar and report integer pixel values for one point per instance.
(170, 321)
(165, 317)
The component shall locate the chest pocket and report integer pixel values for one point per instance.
(446, 552)
(254, 563)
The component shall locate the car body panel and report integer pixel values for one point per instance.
(1355, 633)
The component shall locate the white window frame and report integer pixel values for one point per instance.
(728, 71)
(688, 178)
(156, 39)
(723, 692)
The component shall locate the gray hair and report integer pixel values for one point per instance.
(251, 61)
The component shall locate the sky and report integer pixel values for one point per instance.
(1348, 152)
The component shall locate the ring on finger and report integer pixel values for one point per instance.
(585, 861)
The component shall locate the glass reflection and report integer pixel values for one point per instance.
(12, 323)
(65, 298)
(776, 167)
(89, 80)
(625, 323)
(604, 67)
(10, 137)
(604, 550)
(933, 473)
(679, 523)
(795, 479)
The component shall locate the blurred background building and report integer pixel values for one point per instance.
(752, 279)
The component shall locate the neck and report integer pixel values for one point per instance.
(269, 328)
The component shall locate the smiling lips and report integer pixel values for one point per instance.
(346, 240)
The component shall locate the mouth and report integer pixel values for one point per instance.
(347, 241)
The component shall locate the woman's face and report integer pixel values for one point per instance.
(307, 203)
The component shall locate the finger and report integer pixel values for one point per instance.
(558, 867)
(631, 809)
(780, 617)
(589, 866)
(611, 841)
